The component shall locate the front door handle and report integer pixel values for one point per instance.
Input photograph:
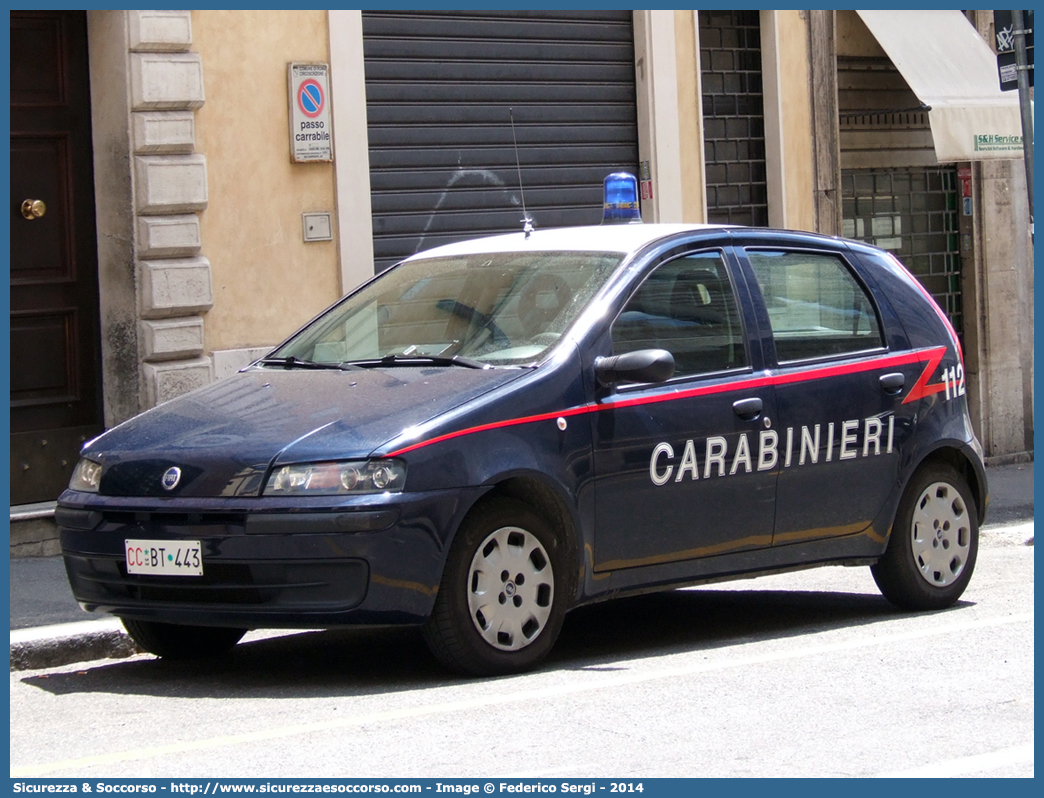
(893, 383)
(748, 409)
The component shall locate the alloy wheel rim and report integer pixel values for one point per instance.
(941, 534)
(511, 589)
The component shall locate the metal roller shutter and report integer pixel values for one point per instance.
(439, 86)
(883, 124)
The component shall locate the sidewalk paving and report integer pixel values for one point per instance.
(48, 628)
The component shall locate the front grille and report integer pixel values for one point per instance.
(145, 478)
(180, 525)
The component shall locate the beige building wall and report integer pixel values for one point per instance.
(1001, 367)
(659, 126)
(788, 132)
(788, 109)
(999, 303)
(854, 39)
(202, 259)
(266, 280)
(690, 118)
(150, 183)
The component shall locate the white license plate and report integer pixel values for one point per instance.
(164, 557)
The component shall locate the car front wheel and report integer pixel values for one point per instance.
(934, 542)
(174, 641)
(503, 594)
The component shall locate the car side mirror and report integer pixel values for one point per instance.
(643, 365)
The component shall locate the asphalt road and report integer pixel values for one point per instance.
(806, 674)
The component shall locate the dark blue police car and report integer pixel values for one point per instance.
(496, 431)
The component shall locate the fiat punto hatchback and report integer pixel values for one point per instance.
(493, 432)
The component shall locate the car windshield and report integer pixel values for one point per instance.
(498, 309)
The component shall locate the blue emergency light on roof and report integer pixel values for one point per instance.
(620, 203)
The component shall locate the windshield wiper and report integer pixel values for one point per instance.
(409, 360)
(293, 362)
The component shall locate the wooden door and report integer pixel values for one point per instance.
(55, 370)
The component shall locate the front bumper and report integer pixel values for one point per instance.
(265, 563)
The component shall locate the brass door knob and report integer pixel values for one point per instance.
(33, 209)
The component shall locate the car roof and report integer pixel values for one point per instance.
(622, 238)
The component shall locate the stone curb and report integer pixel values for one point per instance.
(68, 643)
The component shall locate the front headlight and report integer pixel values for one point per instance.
(328, 479)
(86, 476)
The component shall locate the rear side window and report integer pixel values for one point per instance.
(815, 305)
(687, 306)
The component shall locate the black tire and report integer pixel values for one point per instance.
(173, 641)
(497, 542)
(934, 542)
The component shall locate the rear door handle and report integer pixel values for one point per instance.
(748, 409)
(893, 383)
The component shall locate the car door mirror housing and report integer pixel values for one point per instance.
(643, 365)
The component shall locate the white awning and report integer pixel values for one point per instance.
(950, 68)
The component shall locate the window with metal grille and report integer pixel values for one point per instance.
(912, 213)
(733, 117)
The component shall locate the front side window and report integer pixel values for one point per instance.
(687, 306)
(815, 306)
(499, 308)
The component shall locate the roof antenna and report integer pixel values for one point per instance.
(527, 222)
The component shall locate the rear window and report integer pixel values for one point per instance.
(816, 306)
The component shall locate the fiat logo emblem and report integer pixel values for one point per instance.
(171, 478)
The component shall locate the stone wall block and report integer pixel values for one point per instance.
(160, 31)
(163, 132)
(172, 339)
(168, 236)
(166, 381)
(176, 287)
(228, 361)
(166, 184)
(166, 81)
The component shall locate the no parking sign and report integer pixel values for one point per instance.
(311, 131)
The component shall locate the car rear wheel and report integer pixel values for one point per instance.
(503, 594)
(934, 542)
(173, 641)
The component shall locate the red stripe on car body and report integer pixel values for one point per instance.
(931, 358)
